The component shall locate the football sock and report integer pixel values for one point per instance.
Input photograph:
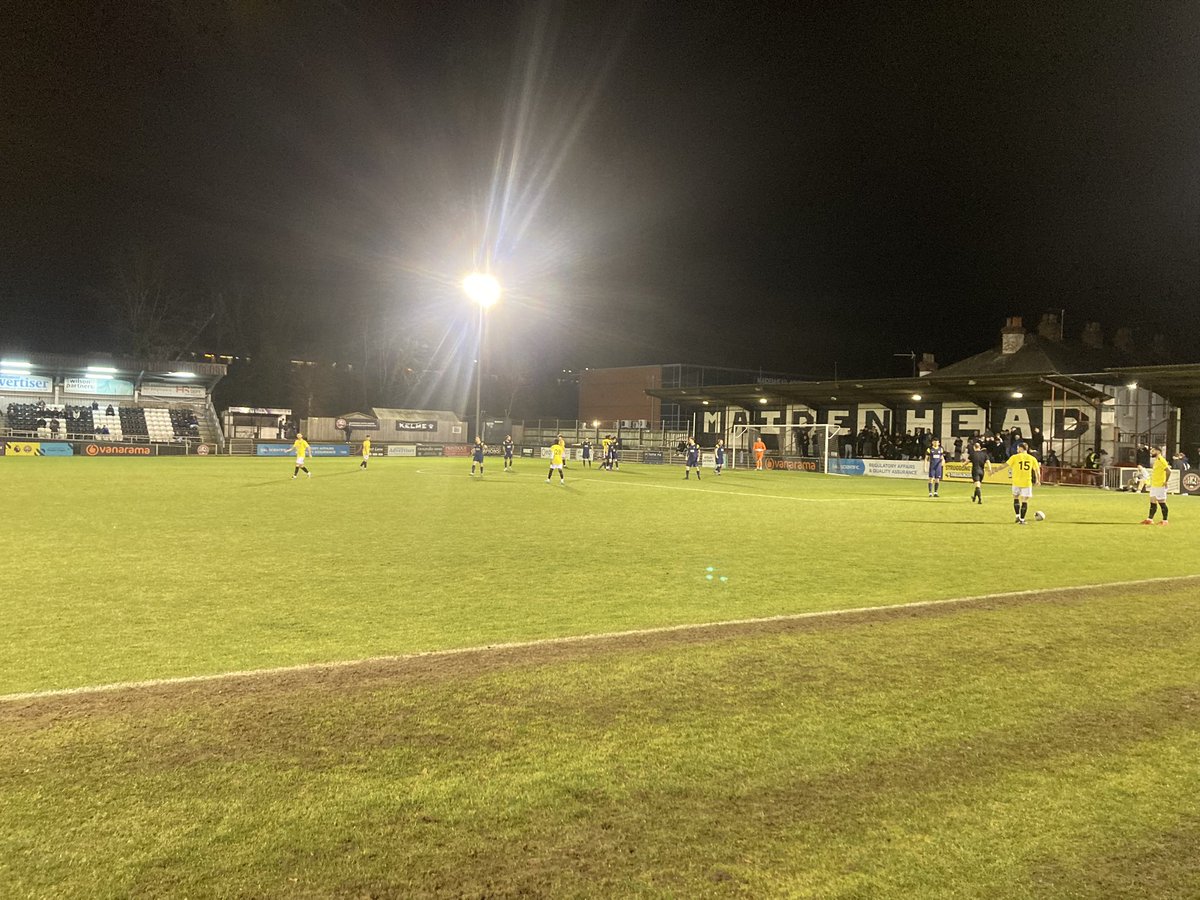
(1164, 509)
(1150, 515)
(1017, 507)
(1024, 509)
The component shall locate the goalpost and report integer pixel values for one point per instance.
(786, 452)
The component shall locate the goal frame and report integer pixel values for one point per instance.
(741, 438)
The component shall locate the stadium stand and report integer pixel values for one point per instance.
(158, 424)
(107, 425)
(133, 422)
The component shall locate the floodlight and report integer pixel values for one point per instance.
(762, 400)
(1017, 395)
(482, 288)
(15, 364)
(102, 370)
(916, 397)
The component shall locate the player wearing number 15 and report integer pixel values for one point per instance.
(1024, 468)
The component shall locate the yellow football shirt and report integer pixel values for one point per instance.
(556, 454)
(1161, 472)
(1023, 467)
(366, 447)
(300, 446)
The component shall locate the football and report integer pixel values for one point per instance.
(1039, 515)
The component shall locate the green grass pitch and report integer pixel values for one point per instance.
(1041, 744)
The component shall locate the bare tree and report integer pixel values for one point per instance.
(152, 318)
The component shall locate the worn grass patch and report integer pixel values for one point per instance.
(1030, 747)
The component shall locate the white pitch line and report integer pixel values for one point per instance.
(674, 487)
(569, 639)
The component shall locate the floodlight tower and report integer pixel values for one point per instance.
(483, 290)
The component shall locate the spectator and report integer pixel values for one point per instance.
(1052, 459)
(109, 411)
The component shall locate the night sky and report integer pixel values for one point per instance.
(784, 186)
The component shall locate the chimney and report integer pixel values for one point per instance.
(927, 366)
(1050, 328)
(1092, 337)
(1123, 339)
(1012, 336)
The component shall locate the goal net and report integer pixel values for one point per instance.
(798, 446)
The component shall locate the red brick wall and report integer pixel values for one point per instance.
(613, 394)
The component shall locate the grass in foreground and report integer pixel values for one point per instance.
(1023, 748)
(133, 569)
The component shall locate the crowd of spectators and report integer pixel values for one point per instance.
(873, 443)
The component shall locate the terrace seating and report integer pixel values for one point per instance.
(101, 420)
(133, 422)
(158, 424)
(185, 423)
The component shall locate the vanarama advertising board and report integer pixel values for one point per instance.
(116, 450)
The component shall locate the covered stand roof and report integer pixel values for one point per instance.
(1038, 370)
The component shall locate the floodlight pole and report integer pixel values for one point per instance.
(479, 376)
(484, 290)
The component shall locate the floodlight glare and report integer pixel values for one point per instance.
(482, 288)
(1017, 395)
(15, 364)
(102, 370)
(182, 374)
(916, 397)
(762, 400)
(1132, 385)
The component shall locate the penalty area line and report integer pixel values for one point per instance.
(596, 637)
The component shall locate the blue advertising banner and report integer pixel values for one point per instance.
(30, 384)
(113, 387)
(314, 450)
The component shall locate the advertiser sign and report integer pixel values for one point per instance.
(456, 450)
(792, 465)
(111, 387)
(423, 425)
(887, 468)
(361, 423)
(402, 450)
(30, 384)
(1189, 482)
(116, 450)
(37, 448)
(172, 391)
(653, 457)
(313, 450)
(961, 471)
(431, 450)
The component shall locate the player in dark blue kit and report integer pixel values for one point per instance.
(477, 457)
(508, 453)
(934, 457)
(587, 453)
(692, 459)
(719, 454)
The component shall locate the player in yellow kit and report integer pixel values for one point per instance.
(1025, 468)
(366, 452)
(1158, 486)
(300, 447)
(557, 451)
